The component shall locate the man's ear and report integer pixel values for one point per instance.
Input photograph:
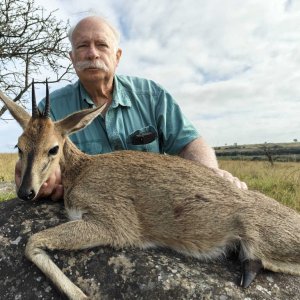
(78, 120)
(18, 112)
(118, 55)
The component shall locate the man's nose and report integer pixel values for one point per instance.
(93, 52)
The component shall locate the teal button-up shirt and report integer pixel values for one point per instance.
(139, 106)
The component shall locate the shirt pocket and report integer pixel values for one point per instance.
(144, 139)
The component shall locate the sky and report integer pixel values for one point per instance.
(233, 66)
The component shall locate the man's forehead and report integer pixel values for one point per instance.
(89, 30)
(92, 35)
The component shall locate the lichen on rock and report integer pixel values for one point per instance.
(107, 273)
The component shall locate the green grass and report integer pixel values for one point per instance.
(281, 182)
(7, 196)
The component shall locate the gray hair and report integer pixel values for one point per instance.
(115, 32)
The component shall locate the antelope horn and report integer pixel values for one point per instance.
(46, 112)
(35, 111)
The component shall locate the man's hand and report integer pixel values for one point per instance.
(52, 188)
(228, 176)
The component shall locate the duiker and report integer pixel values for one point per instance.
(139, 199)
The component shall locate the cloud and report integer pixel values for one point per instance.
(9, 133)
(234, 67)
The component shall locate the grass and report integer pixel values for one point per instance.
(7, 196)
(7, 166)
(281, 182)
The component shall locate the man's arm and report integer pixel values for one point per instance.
(199, 151)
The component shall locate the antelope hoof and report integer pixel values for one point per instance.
(250, 268)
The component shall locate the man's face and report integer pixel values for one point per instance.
(94, 55)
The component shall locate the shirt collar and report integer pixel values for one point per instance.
(84, 95)
(120, 96)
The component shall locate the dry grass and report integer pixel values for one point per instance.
(281, 182)
(7, 166)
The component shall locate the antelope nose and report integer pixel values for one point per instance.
(26, 195)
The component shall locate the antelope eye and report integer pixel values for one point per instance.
(53, 151)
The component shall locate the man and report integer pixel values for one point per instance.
(139, 114)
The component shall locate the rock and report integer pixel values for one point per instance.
(7, 187)
(120, 274)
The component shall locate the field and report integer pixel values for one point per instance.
(7, 165)
(284, 152)
(281, 181)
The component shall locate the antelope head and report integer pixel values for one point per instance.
(41, 144)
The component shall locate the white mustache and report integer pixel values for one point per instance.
(86, 64)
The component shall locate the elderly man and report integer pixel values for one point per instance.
(139, 114)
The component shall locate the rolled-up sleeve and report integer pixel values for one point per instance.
(175, 130)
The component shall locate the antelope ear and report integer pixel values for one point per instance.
(78, 120)
(19, 113)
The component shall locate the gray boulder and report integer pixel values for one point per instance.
(107, 273)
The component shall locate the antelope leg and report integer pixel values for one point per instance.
(250, 268)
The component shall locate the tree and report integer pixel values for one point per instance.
(270, 150)
(32, 45)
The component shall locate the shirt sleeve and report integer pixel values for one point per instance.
(174, 129)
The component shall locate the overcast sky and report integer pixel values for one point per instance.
(233, 66)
